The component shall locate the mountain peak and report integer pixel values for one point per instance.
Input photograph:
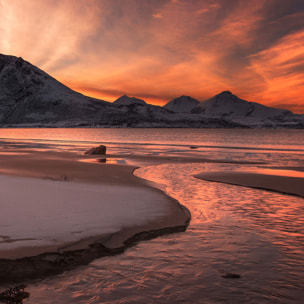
(6, 60)
(31, 97)
(225, 93)
(228, 106)
(226, 102)
(125, 100)
(182, 104)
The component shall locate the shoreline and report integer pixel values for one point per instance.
(71, 167)
(30, 263)
(53, 262)
(287, 185)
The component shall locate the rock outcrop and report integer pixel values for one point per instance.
(100, 150)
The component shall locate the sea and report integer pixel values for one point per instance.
(243, 245)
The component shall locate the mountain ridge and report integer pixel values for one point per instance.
(29, 97)
(182, 104)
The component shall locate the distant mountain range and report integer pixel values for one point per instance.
(30, 97)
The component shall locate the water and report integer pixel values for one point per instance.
(205, 137)
(257, 234)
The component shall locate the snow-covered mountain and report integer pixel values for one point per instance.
(138, 113)
(30, 97)
(127, 101)
(182, 104)
(228, 106)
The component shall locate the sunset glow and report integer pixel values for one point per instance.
(157, 50)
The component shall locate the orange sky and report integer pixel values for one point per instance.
(160, 49)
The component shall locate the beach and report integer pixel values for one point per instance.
(292, 185)
(56, 204)
(105, 228)
(65, 209)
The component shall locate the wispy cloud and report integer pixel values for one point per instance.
(282, 68)
(162, 48)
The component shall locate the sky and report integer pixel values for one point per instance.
(158, 50)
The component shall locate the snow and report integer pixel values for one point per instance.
(127, 101)
(230, 107)
(183, 104)
(30, 97)
(36, 212)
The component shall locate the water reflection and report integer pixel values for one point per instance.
(280, 146)
(251, 232)
(254, 233)
(109, 161)
(278, 172)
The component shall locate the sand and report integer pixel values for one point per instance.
(282, 184)
(85, 209)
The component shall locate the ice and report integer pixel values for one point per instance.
(37, 212)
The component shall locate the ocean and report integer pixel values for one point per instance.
(256, 234)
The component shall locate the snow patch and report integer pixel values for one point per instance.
(37, 212)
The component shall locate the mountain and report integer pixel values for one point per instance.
(228, 106)
(182, 104)
(29, 97)
(126, 101)
(137, 113)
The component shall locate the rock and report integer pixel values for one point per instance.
(14, 295)
(231, 276)
(97, 150)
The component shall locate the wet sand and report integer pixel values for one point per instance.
(282, 184)
(28, 262)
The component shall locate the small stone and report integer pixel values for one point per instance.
(97, 150)
(14, 295)
(231, 276)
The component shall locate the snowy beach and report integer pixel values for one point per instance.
(236, 226)
(54, 202)
(40, 216)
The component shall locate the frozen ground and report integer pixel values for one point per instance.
(39, 213)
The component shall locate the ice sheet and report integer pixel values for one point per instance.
(36, 212)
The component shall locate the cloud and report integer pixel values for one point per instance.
(45, 32)
(294, 107)
(157, 16)
(282, 69)
(162, 48)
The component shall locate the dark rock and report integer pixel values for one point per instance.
(14, 295)
(230, 275)
(97, 150)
